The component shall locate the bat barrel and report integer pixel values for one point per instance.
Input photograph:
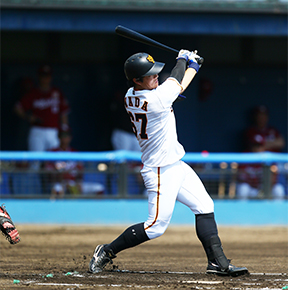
(136, 36)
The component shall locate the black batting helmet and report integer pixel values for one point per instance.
(140, 65)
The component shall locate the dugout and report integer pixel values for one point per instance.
(245, 50)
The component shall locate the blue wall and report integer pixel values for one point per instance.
(112, 212)
(215, 124)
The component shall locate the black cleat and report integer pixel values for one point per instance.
(233, 271)
(100, 259)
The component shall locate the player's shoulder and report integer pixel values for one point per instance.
(272, 130)
(169, 86)
(34, 92)
(171, 81)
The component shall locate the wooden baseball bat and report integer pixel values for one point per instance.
(136, 36)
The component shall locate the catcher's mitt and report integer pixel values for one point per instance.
(7, 227)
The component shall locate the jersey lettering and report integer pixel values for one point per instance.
(137, 102)
(128, 102)
(144, 107)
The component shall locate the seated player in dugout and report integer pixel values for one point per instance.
(67, 176)
(166, 177)
(250, 175)
(271, 138)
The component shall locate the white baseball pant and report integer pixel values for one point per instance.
(42, 139)
(167, 184)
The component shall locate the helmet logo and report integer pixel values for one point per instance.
(150, 59)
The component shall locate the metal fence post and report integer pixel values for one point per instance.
(122, 180)
(267, 181)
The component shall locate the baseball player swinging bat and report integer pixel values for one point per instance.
(166, 177)
(136, 36)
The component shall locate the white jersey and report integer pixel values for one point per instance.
(154, 123)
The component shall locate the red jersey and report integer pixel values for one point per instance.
(253, 175)
(266, 134)
(66, 170)
(47, 106)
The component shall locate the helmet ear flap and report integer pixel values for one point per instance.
(130, 83)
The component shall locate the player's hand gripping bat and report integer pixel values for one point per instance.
(136, 36)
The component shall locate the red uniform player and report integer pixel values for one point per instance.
(262, 132)
(67, 176)
(46, 108)
(250, 177)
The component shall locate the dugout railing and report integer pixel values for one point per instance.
(116, 174)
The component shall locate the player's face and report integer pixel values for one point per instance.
(45, 80)
(148, 83)
(261, 119)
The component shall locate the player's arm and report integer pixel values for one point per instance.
(278, 143)
(179, 69)
(18, 109)
(185, 68)
(24, 115)
(191, 71)
(64, 120)
(64, 111)
(180, 75)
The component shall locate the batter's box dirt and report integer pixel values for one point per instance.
(57, 257)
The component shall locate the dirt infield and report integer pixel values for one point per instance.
(57, 257)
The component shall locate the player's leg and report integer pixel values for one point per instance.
(278, 191)
(194, 195)
(51, 139)
(103, 254)
(161, 200)
(243, 190)
(163, 184)
(36, 139)
(36, 142)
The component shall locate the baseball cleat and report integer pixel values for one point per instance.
(232, 270)
(100, 259)
(7, 227)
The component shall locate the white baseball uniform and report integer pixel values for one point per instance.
(166, 177)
